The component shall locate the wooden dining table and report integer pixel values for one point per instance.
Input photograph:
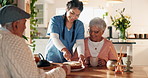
(103, 72)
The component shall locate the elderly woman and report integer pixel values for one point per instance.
(98, 46)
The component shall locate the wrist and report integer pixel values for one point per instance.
(63, 49)
(81, 56)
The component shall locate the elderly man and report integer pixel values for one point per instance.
(16, 60)
(98, 46)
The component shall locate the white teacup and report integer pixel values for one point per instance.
(94, 61)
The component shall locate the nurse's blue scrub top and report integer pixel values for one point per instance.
(56, 25)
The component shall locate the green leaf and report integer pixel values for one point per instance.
(25, 37)
(122, 22)
(33, 23)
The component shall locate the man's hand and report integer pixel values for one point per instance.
(66, 54)
(67, 69)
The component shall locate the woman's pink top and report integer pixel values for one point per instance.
(107, 51)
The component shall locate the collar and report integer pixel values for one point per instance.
(4, 29)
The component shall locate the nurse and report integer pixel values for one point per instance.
(65, 31)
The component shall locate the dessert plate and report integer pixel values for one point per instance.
(83, 67)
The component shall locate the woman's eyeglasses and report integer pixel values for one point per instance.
(96, 32)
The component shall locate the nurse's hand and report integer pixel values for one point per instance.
(66, 54)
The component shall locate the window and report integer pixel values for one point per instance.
(40, 14)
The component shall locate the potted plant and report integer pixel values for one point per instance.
(121, 23)
(33, 24)
(6, 2)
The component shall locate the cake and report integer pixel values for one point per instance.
(74, 64)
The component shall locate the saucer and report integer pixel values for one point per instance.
(83, 67)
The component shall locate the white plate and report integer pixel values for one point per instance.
(71, 62)
(78, 69)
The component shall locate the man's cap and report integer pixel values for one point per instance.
(11, 13)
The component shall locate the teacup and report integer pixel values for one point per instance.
(111, 64)
(94, 61)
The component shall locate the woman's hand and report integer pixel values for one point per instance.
(101, 62)
(66, 54)
(87, 61)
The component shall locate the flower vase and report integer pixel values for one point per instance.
(122, 35)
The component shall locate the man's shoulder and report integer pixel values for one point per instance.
(8, 36)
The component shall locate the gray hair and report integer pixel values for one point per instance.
(7, 25)
(100, 23)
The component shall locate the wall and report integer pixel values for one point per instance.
(40, 46)
(139, 16)
(136, 12)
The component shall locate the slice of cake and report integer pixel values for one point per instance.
(74, 64)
